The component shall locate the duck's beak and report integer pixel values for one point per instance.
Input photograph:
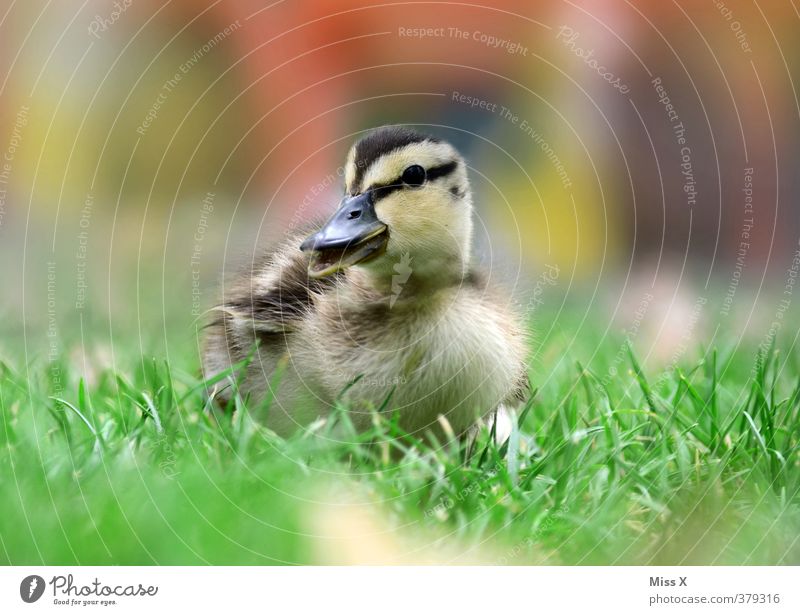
(352, 235)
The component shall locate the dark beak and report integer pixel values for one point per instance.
(352, 223)
(352, 235)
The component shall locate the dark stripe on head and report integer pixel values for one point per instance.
(384, 190)
(441, 170)
(380, 142)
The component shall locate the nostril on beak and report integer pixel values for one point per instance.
(356, 213)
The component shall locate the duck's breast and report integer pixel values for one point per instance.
(459, 358)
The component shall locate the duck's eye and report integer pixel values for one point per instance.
(413, 176)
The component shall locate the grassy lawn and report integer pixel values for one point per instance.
(611, 463)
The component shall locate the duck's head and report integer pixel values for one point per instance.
(407, 202)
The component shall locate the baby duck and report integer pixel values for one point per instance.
(379, 308)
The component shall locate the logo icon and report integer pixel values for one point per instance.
(403, 271)
(31, 588)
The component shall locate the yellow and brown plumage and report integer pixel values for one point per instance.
(380, 301)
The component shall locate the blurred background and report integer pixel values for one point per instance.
(634, 158)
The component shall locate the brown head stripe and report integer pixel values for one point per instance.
(380, 142)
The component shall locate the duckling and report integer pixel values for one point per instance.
(380, 308)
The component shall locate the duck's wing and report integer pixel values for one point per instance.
(265, 302)
(521, 392)
(273, 296)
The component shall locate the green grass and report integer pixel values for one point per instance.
(696, 465)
